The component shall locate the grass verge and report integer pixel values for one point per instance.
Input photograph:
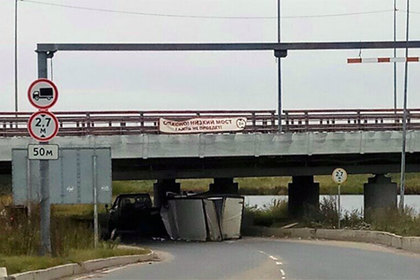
(405, 223)
(22, 263)
(71, 238)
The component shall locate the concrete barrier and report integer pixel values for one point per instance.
(411, 244)
(3, 273)
(113, 261)
(67, 270)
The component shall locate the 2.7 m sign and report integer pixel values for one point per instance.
(44, 152)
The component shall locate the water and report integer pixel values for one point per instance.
(348, 202)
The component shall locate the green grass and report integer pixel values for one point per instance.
(71, 238)
(270, 215)
(405, 223)
(264, 185)
(402, 223)
(21, 263)
(140, 186)
(195, 185)
(271, 185)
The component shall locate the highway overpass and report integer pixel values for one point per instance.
(311, 143)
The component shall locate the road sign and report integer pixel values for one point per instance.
(42, 94)
(70, 179)
(45, 152)
(339, 175)
(43, 126)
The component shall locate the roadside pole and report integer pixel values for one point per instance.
(339, 176)
(44, 173)
(28, 187)
(339, 204)
(279, 66)
(43, 126)
(95, 203)
(45, 208)
(404, 129)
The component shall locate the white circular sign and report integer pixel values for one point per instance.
(42, 94)
(43, 126)
(339, 175)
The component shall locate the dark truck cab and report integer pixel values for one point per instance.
(133, 214)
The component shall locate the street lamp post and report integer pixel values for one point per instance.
(395, 55)
(16, 56)
(404, 132)
(279, 67)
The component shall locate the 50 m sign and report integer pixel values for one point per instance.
(43, 126)
(45, 152)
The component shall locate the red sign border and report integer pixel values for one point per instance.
(32, 133)
(48, 82)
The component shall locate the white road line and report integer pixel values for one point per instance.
(277, 263)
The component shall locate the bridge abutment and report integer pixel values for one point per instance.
(223, 186)
(303, 195)
(379, 193)
(161, 187)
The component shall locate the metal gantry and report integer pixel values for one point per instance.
(280, 49)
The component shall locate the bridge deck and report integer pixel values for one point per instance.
(258, 121)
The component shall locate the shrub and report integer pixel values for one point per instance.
(273, 213)
(405, 223)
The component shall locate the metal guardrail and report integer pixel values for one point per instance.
(261, 121)
(349, 120)
(129, 122)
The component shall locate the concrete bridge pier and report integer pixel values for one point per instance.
(223, 186)
(379, 193)
(161, 187)
(303, 195)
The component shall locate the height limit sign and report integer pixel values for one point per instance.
(43, 125)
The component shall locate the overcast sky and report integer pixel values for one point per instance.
(211, 80)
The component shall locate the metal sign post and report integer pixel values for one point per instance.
(43, 126)
(279, 64)
(95, 202)
(339, 175)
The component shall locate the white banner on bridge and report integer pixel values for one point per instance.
(198, 125)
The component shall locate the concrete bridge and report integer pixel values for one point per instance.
(312, 142)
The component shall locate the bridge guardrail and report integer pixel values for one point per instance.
(129, 122)
(349, 120)
(261, 121)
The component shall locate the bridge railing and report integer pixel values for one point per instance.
(262, 121)
(349, 120)
(130, 122)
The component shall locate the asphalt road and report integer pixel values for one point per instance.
(258, 258)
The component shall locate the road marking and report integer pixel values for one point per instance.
(283, 277)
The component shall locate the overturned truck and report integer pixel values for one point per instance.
(203, 217)
(197, 217)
